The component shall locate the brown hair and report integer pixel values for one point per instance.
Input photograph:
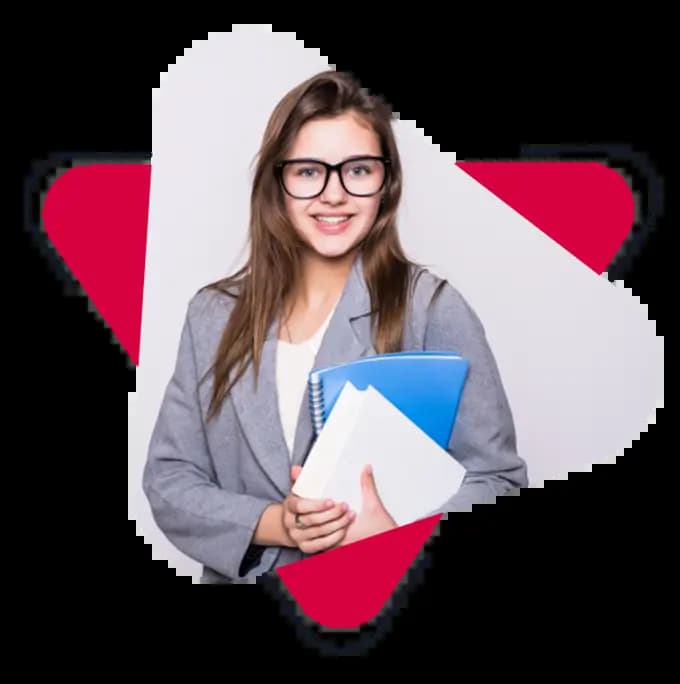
(273, 268)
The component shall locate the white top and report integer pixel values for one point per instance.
(294, 361)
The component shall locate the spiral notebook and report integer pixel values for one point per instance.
(413, 474)
(426, 386)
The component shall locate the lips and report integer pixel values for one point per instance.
(331, 228)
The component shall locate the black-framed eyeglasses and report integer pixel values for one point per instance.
(308, 178)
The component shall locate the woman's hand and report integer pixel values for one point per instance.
(374, 517)
(314, 525)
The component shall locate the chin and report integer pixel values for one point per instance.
(334, 247)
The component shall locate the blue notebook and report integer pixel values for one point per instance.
(426, 386)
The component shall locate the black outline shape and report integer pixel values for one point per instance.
(646, 185)
(37, 183)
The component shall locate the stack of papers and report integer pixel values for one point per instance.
(414, 475)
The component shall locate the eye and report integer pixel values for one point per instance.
(306, 171)
(360, 170)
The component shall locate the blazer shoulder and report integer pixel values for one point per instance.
(450, 315)
(425, 286)
(211, 303)
(208, 313)
(439, 306)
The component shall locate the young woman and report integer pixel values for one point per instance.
(326, 282)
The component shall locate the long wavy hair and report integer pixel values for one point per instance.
(273, 270)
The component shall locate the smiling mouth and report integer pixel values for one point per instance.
(332, 220)
(332, 225)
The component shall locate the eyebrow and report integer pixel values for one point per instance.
(354, 157)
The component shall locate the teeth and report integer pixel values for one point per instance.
(332, 219)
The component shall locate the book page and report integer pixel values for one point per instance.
(326, 450)
(413, 474)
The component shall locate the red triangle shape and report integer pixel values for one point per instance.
(586, 207)
(96, 217)
(346, 587)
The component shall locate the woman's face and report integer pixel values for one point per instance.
(333, 141)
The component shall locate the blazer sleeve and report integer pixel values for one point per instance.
(207, 523)
(483, 439)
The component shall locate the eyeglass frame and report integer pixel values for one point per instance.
(278, 169)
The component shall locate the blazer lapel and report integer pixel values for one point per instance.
(346, 339)
(258, 413)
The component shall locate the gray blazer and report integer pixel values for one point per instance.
(208, 484)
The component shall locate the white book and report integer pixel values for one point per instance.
(414, 476)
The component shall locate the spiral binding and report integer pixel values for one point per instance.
(316, 404)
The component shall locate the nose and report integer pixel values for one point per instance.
(334, 192)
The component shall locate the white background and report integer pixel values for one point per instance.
(579, 358)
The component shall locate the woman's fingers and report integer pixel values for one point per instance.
(316, 524)
(330, 527)
(322, 543)
(331, 534)
(314, 519)
(298, 506)
(295, 473)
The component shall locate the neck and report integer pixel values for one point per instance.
(323, 279)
